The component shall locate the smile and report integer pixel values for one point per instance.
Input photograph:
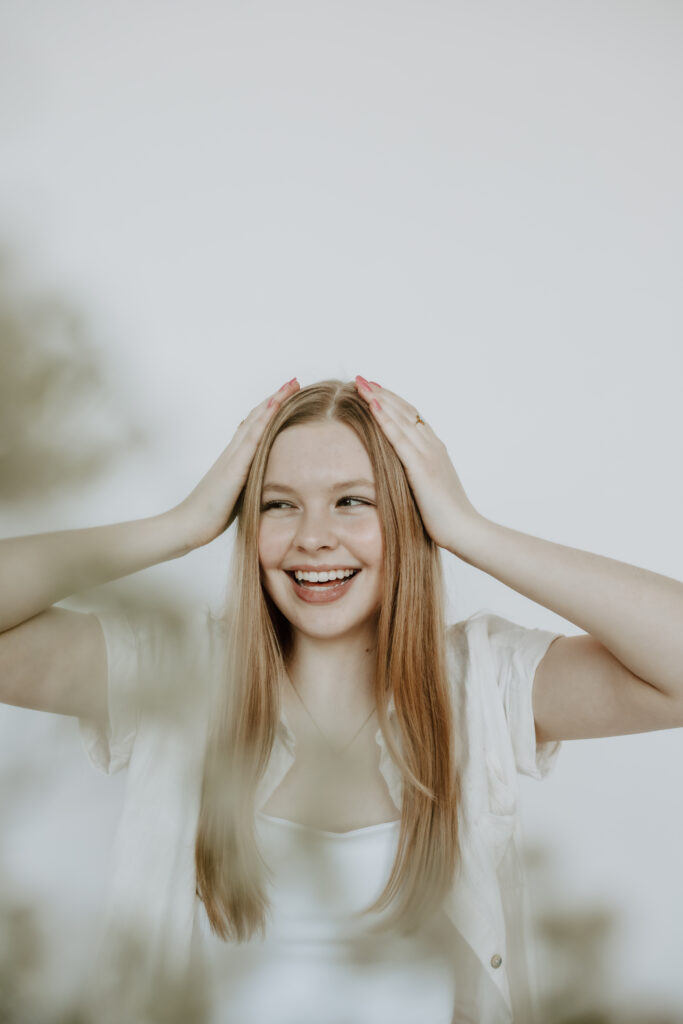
(322, 576)
(321, 587)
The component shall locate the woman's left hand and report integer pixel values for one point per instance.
(445, 508)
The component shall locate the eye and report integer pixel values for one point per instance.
(275, 504)
(353, 502)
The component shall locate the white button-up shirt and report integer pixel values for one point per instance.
(158, 730)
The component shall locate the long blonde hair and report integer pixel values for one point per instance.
(410, 664)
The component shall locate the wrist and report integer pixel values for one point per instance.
(183, 533)
(471, 538)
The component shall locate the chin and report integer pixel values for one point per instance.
(329, 631)
(325, 620)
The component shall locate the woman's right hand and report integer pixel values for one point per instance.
(209, 509)
(54, 659)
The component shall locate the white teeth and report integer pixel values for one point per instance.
(323, 577)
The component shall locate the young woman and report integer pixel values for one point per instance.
(321, 803)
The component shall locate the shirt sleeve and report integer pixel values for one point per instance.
(109, 745)
(154, 659)
(516, 652)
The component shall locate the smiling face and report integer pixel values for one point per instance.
(319, 514)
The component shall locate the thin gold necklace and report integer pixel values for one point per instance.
(330, 745)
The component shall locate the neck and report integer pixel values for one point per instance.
(337, 673)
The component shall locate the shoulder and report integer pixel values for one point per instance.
(153, 645)
(163, 662)
(492, 665)
(491, 644)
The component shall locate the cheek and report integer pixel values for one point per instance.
(366, 537)
(272, 544)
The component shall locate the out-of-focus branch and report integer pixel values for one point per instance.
(58, 424)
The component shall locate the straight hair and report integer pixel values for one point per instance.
(410, 665)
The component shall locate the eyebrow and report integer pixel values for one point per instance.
(343, 485)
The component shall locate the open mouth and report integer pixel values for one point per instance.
(335, 578)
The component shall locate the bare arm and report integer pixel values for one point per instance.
(56, 662)
(52, 659)
(624, 674)
(38, 571)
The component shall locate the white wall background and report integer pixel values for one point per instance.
(476, 204)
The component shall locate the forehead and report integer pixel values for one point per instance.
(323, 450)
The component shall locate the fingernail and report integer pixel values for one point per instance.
(375, 404)
(362, 381)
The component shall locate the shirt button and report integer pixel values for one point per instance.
(496, 960)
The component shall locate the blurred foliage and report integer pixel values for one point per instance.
(21, 961)
(137, 998)
(574, 945)
(164, 996)
(58, 425)
(61, 425)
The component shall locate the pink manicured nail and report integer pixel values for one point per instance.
(375, 404)
(283, 388)
(363, 381)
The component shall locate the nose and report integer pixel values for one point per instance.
(315, 531)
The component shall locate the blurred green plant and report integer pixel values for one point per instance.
(61, 425)
(21, 960)
(58, 425)
(137, 998)
(573, 944)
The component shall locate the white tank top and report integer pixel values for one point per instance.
(317, 964)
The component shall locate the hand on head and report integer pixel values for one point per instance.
(444, 506)
(210, 508)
